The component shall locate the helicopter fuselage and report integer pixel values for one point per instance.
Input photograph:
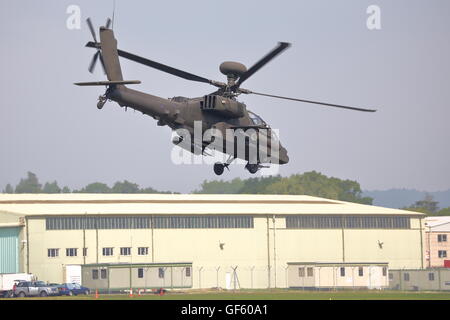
(211, 112)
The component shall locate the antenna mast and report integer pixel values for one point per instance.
(114, 11)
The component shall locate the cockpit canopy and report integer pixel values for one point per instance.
(257, 120)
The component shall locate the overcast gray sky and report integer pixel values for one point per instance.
(53, 128)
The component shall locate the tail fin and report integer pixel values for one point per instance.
(109, 54)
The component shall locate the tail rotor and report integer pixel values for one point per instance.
(96, 44)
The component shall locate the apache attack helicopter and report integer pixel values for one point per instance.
(219, 110)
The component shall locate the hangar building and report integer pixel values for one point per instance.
(201, 241)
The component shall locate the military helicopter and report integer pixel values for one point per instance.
(219, 110)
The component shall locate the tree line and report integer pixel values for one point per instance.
(428, 206)
(31, 184)
(309, 183)
(313, 184)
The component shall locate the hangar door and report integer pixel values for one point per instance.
(9, 250)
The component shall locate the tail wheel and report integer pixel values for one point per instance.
(22, 294)
(43, 294)
(100, 105)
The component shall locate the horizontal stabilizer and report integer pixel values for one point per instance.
(107, 83)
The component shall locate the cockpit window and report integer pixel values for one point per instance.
(256, 119)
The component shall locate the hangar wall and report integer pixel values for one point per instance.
(261, 254)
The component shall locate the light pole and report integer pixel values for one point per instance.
(318, 274)
(274, 251)
(429, 244)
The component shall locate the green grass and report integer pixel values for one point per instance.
(270, 295)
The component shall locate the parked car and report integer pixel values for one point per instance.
(54, 284)
(70, 289)
(34, 288)
(9, 280)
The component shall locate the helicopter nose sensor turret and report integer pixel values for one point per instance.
(284, 158)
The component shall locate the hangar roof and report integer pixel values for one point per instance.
(160, 204)
(438, 224)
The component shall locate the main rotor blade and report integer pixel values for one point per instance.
(167, 69)
(91, 28)
(93, 62)
(309, 101)
(272, 54)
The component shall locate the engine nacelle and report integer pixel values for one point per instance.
(224, 106)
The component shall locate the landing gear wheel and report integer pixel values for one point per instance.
(100, 105)
(218, 168)
(252, 168)
(101, 102)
